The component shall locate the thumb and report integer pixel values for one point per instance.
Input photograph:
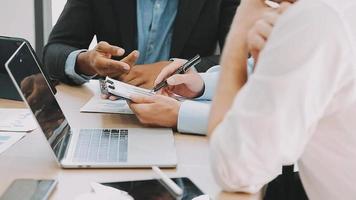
(131, 59)
(140, 99)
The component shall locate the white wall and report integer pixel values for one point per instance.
(17, 19)
(57, 8)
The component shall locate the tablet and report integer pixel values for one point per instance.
(155, 190)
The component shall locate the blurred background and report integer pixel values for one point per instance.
(37, 17)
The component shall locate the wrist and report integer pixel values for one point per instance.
(83, 66)
(199, 94)
(175, 114)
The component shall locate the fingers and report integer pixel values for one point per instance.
(284, 1)
(104, 96)
(169, 70)
(110, 97)
(262, 28)
(106, 48)
(284, 6)
(138, 99)
(113, 98)
(178, 79)
(133, 74)
(109, 67)
(131, 59)
(260, 32)
(271, 17)
(257, 42)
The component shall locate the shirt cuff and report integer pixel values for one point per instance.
(70, 68)
(193, 117)
(210, 82)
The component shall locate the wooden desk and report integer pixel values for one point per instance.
(32, 158)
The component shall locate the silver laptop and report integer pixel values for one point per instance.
(86, 148)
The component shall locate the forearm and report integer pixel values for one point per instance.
(233, 75)
(54, 59)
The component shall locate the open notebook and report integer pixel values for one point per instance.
(125, 90)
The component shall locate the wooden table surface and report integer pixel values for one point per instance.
(32, 158)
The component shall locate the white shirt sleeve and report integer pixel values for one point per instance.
(193, 117)
(273, 116)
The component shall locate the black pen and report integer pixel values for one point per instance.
(181, 70)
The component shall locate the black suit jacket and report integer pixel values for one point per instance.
(199, 26)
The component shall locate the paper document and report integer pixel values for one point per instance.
(125, 90)
(8, 139)
(98, 105)
(16, 120)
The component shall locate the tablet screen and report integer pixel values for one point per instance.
(154, 190)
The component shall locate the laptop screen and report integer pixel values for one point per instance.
(27, 75)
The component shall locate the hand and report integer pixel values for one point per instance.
(156, 110)
(98, 61)
(189, 85)
(259, 33)
(140, 76)
(143, 75)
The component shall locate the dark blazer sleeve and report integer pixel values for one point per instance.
(227, 13)
(73, 31)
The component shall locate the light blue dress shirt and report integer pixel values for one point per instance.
(193, 116)
(155, 19)
(155, 29)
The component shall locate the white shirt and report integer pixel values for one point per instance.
(299, 105)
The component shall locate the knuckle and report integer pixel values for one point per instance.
(100, 45)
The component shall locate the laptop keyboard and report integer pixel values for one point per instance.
(102, 145)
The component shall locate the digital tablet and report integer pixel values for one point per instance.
(155, 190)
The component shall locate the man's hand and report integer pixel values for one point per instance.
(259, 33)
(143, 75)
(189, 85)
(98, 61)
(156, 110)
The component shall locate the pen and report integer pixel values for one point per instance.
(181, 70)
(168, 182)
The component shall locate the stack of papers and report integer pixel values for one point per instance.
(8, 139)
(98, 105)
(16, 120)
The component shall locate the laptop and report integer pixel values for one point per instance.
(86, 148)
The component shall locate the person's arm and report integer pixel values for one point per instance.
(73, 31)
(70, 71)
(233, 73)
(272, 118)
